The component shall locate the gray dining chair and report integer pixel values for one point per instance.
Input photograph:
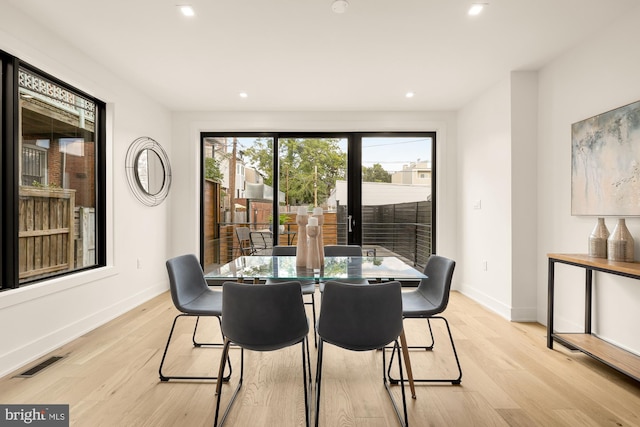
(361, 318)
(308, 287)
(344, 251)
(263, 318)
(428, 301)
(193, 298)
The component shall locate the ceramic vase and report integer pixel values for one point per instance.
(598, 240)
(620, 243)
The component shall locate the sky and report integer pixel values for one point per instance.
(390, 153)
(393, 153)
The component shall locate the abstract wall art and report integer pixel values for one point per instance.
(605, 163)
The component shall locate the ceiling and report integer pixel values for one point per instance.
(298, 55)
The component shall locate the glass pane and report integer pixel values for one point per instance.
(396, 197)
(57, 179)
(238, 195)
(313, 174)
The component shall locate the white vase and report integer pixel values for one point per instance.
(620, 243)
(598, 240)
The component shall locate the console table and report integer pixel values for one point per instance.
(622, 360)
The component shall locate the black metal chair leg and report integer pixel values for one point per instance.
(454, 381)
(403, 422)
(225, 355)
(306, 365)
(313, 309)
(201, 344)
(318, 381)
(165, 378)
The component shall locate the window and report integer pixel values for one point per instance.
(34, 161)
(54, 221)
(375, 190)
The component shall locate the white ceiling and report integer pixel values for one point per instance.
(297, 55)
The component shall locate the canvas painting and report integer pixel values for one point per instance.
(605, 163)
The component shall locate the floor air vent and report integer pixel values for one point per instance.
(39, 367)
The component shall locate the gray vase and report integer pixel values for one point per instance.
(620, 243)
(598, 240)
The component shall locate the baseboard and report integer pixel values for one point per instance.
(486, 301)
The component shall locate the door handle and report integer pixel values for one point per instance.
(349, 219)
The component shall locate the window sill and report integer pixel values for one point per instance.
(27, 293)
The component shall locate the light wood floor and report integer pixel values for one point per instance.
(109, 377)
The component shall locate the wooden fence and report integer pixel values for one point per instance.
(46, 234)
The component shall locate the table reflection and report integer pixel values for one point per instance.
(284, 267)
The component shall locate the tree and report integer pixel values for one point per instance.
(298, 160)
(212, 169)
(375, 174)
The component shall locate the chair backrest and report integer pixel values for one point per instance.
(437, 285)
(186, 280)
(244, 239)
(284, 251)
(342, 250)
(263, 318)
(261, 240)
(360, 317)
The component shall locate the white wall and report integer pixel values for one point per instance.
(484, 199)
(497, 206)
(524, 201)
(188, 126)
(38, 318)
(598, 75)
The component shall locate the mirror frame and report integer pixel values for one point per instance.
(134, 152)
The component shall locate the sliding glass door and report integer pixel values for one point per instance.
(375, 190)
(313, 174)
(397, 196)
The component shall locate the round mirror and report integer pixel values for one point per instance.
(148, 171)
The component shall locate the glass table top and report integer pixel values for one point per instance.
(284, 267)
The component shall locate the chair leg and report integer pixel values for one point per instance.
(313, 310)
(305, 364)
(225, 356)
(403, 422)
(308, 361)
(201, 344)
(164, 377)
(318, 381)
(454, 381)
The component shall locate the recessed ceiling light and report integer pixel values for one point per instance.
(410, 94)
(187, 10)
(476, 8)
(243, 94)
(339, 6)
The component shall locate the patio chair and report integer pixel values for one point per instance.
(261, 242)
(244, 240)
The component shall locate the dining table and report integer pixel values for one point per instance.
(374, 269)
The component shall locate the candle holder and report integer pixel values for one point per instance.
(317, 213)
(313, 257)
(301, 246)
